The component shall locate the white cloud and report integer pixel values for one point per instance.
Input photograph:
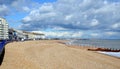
(77, 34)
(57, 34)
(75, 15)
(59, 28)
(116, 26)
(46, 7)
(110, 33)
(26, 9)
(62, 34)
(94, 22)
(4, 10)
(63, 13)
(94, 34)
(68, 17)
(27, 19)
(23, 5)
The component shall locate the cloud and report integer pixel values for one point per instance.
(5, 7)
(80, 34)
(83, 13)
(25, 8)
(8, 7)
(116, 26)
(22, 5)
(94, 34)
(62, 34)
(110, 33)
(72, 15)
(6, 1)
(4, 10)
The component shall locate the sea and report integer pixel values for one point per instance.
(102, 43)
(99, 43)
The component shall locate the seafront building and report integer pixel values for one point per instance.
(34, 36)
(24, 35)
(3, 29)
(16, 34)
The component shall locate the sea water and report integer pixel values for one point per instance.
(113, 44)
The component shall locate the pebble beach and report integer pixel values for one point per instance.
(53, 54)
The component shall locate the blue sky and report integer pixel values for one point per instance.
(64, 18)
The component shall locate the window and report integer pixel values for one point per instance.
(0, 21)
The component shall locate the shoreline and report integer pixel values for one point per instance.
(94, 49)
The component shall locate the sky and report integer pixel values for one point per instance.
(64, 18)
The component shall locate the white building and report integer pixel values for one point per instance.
(16, 34)
(3, 29)
(24, 35)
(34, 36)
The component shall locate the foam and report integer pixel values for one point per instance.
(115, 54)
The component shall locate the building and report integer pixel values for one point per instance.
(38, 36)
(17, 34)
(3, 29)
(11, 34)
(34, 36)
(24, 35)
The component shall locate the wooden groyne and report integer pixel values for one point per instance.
(105, 49)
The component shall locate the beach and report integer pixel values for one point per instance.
(54, 54)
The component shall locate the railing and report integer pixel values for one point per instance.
(2, 44)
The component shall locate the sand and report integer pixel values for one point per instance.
(51, 54)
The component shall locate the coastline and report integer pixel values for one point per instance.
(104, 51)
(54, 54)
(107, 53)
